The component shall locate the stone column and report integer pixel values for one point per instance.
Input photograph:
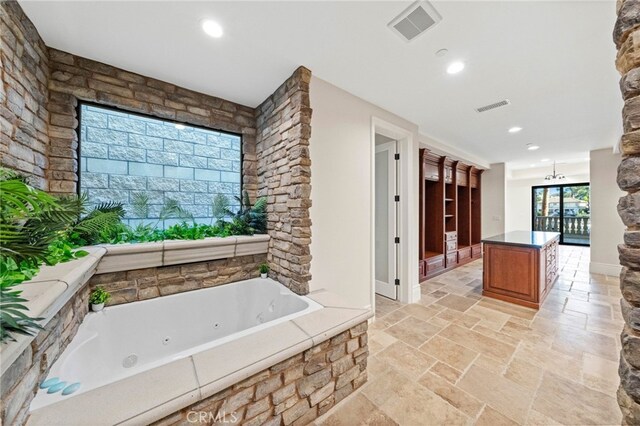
(626, 36)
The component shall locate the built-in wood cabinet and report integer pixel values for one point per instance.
(521, 274)
(449, 213)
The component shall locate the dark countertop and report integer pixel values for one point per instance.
(523, 238)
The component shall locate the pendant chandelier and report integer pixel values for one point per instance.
(555, 176)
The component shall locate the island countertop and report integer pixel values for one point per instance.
(534, 239)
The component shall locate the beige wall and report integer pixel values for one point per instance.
(606, 227)
(493, 200)
(341, 190)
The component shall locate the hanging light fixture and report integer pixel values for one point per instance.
(555, 176)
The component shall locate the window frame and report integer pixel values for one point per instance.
(78, 129)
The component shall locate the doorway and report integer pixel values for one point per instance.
(565, 209)
(386, 217)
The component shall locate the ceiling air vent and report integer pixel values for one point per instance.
(493, 106)
(415, 20)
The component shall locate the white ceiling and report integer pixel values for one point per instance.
(553, 60)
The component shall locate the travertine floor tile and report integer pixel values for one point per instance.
(572, 341)
(458, 303)
(415, 405)
(478, 342)
(449, 352)
(491, 417)
(569, 402)
(452, 394)
(460, 358)
(406, 359)
(502, 394)
(446, 371)
(523, 373)
(413, 331)
(385, 386)
(359, 411)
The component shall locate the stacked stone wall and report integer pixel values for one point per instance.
(284, 177)
(24, 118)
(627, 39)
(148, 283)
(293, 392)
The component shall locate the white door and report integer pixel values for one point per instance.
(385, 220)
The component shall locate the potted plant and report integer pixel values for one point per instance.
(264, 270)
(99, 296)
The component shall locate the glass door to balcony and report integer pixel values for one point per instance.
(564, 209)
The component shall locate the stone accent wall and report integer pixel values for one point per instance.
(284, 176)
(19, 383)
(74, 78)
(24, 72)
(292, 392)
(627, 38)
(126, 154)
(148, 283)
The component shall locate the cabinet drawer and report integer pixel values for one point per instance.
(452, 246)
(451, 236)
(434, 264)
(452, 259)
(476, 251)
(464, 254)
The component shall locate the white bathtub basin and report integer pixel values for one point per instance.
(127, 339)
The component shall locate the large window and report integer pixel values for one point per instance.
(565, 209)
(123, 155)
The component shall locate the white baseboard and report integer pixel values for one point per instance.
(416, 294)
(604, 269)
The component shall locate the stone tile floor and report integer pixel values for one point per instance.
(460, 358)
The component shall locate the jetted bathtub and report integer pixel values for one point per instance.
(127, 339)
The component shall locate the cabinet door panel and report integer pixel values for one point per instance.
(511, 271)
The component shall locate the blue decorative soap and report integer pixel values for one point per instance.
(49, 382)
(71, 389)
(58, 386)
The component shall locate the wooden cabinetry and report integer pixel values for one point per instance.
(449, 214)
(520, 272)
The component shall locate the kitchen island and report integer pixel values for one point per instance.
(520, 266)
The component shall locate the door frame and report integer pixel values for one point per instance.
(409, 291)
(561, 186)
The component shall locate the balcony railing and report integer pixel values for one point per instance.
(575, 228)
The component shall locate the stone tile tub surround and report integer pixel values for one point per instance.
(26, 361)
(321, 365)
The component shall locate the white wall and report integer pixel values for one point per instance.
(493, 200)
(606, 227)
(341, 191)
(518, 197)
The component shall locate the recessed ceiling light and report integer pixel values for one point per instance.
(531, 147)
(544, 160)
(212, 28)
(180, 126)
(440, 53)
(515, 129)
(455, 67)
